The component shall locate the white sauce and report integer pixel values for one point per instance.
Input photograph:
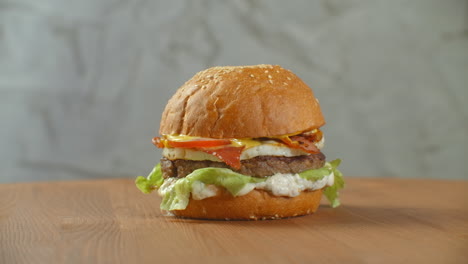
(201, 191)
(290, 185)
(269, 148)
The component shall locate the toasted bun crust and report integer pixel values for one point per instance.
(242, 102)
(256, 205)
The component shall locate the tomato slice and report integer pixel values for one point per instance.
(217, 147)
(303, 141)
(197, 143)
(230, 155)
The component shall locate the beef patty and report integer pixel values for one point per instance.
(260, 166)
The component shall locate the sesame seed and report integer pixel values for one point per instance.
(288, 78)
(285, 83)
(269, 76)
(266, 71)
(270, 81)
(251, 75)
(277, 71)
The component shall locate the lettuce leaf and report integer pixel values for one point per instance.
(315, 174)
(152, 182)
(176, 194)
(331, 192)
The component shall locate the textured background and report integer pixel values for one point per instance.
(83, 83)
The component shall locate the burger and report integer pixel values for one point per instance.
(242, 142)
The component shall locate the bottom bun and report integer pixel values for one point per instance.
(256, 205)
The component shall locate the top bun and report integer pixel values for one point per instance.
(242, 102)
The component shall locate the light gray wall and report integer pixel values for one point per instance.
(83, 83)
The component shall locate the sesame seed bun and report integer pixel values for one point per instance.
(256, 205)
(242, 102)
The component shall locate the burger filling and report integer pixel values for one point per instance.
(260, 166)
(198, 167)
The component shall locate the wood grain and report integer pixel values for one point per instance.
(110, 221)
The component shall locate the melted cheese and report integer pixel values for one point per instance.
(235, 142)
(243, 142)
(247, 143)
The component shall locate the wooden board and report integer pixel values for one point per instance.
(110, 221)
